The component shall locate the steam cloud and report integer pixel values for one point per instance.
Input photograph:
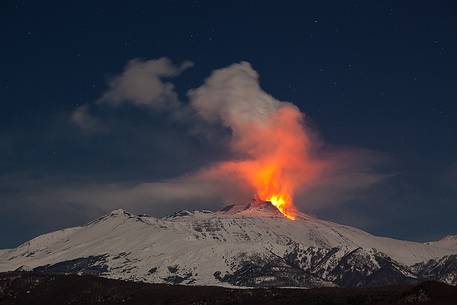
(273, 149)
(142, 84)
(273, 146)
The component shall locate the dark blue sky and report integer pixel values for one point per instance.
(379, 76)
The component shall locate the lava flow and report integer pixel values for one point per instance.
(281, 205)
(272, 186)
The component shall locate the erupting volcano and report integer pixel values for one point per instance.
(281, 205)
(273, 189)
(248, 245)
(275, 203)
(276, 157)
(270, 139)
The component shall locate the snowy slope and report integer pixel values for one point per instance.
(236, 246)
(448, 242)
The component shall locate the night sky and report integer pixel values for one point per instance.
(376, 79)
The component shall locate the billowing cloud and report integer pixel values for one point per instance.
(274, 152)
(96, 197)
(85, 120)
(351, 174)
(143, 83)
(208, 188)
(233, 97)
(271, 143)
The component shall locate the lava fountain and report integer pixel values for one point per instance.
(277, 158)
(271, 143)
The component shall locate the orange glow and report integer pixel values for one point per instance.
(280, 204)
(277, 158)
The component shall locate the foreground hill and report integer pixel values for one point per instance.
(250, 246)
(25, 288)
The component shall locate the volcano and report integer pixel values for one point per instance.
(250, 245)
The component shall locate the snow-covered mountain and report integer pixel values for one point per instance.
(251, 245)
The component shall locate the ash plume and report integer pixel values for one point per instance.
(274, 153)
(270, 138)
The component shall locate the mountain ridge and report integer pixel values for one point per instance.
(249, 245)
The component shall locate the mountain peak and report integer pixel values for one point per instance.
(254, 205)
(265, 206)
(256, 208)
(233, 208)
(120, 212)
(115, 214)
(449, 237)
